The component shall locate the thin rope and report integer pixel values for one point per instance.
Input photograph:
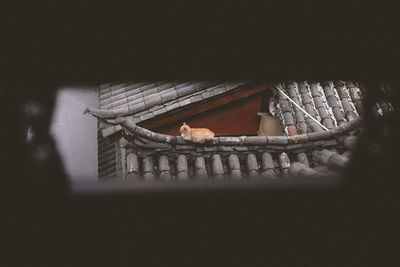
(305, 112)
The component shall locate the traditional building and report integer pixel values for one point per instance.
(270, 130)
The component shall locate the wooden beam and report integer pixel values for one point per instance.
(202, 107)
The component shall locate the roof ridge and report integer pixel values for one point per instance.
(131, 129)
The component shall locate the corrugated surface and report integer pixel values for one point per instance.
(106, 157)
(328, 102)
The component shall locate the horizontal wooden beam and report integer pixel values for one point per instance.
(205, 106)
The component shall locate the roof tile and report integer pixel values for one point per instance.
(150, 102)
(185, 90)
(172, 94)
(184, 102)
(196, 98)
(146, 116)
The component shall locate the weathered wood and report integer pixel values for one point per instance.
(108, 166)
(103, 148)
(111, 169)
(106, 154)
(104, 160)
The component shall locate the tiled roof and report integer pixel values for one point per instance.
(317, 141)
(331, 103)
(151, 155)
(146, 100)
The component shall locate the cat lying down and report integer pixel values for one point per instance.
(196, 135)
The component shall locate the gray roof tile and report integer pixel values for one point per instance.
(184, 102)
(207, 94)
(185, 90)
(220, 90)
(149, 92)
(105, 96)
(172, 94)
(172, 106)
(133, 86)
(150, 102)
(137, 107)
(159, 111)
(118, 91)
(146, 117)
(196, 98)
(217, 168)
(133, 92)
(200, 167)
(147, 86)
(178, 85)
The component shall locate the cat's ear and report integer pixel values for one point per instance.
(185, 124)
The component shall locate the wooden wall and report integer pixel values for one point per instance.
(234, 118)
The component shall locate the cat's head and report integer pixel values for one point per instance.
(184, 129)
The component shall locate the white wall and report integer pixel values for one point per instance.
(75, 134)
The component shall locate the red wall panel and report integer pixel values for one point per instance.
(236, 118)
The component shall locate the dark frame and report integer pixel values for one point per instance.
(45, 225)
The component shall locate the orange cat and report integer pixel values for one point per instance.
(197, 135)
